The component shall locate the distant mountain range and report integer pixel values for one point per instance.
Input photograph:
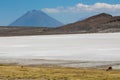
(101, 23)
(36, 18)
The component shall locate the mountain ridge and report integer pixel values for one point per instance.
(91, 24)
(101, 23)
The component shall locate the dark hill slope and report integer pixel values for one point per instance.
(93, 24)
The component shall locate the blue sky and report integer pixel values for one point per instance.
(66, 11)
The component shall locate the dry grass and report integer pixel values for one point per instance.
(55, 73)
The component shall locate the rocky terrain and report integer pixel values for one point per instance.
(99, 23)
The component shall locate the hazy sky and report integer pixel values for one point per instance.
(66, 11)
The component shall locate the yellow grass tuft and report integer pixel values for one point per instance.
(55, 73)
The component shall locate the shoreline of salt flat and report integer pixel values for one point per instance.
(62, 63)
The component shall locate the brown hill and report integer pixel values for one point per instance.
(96, 23)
